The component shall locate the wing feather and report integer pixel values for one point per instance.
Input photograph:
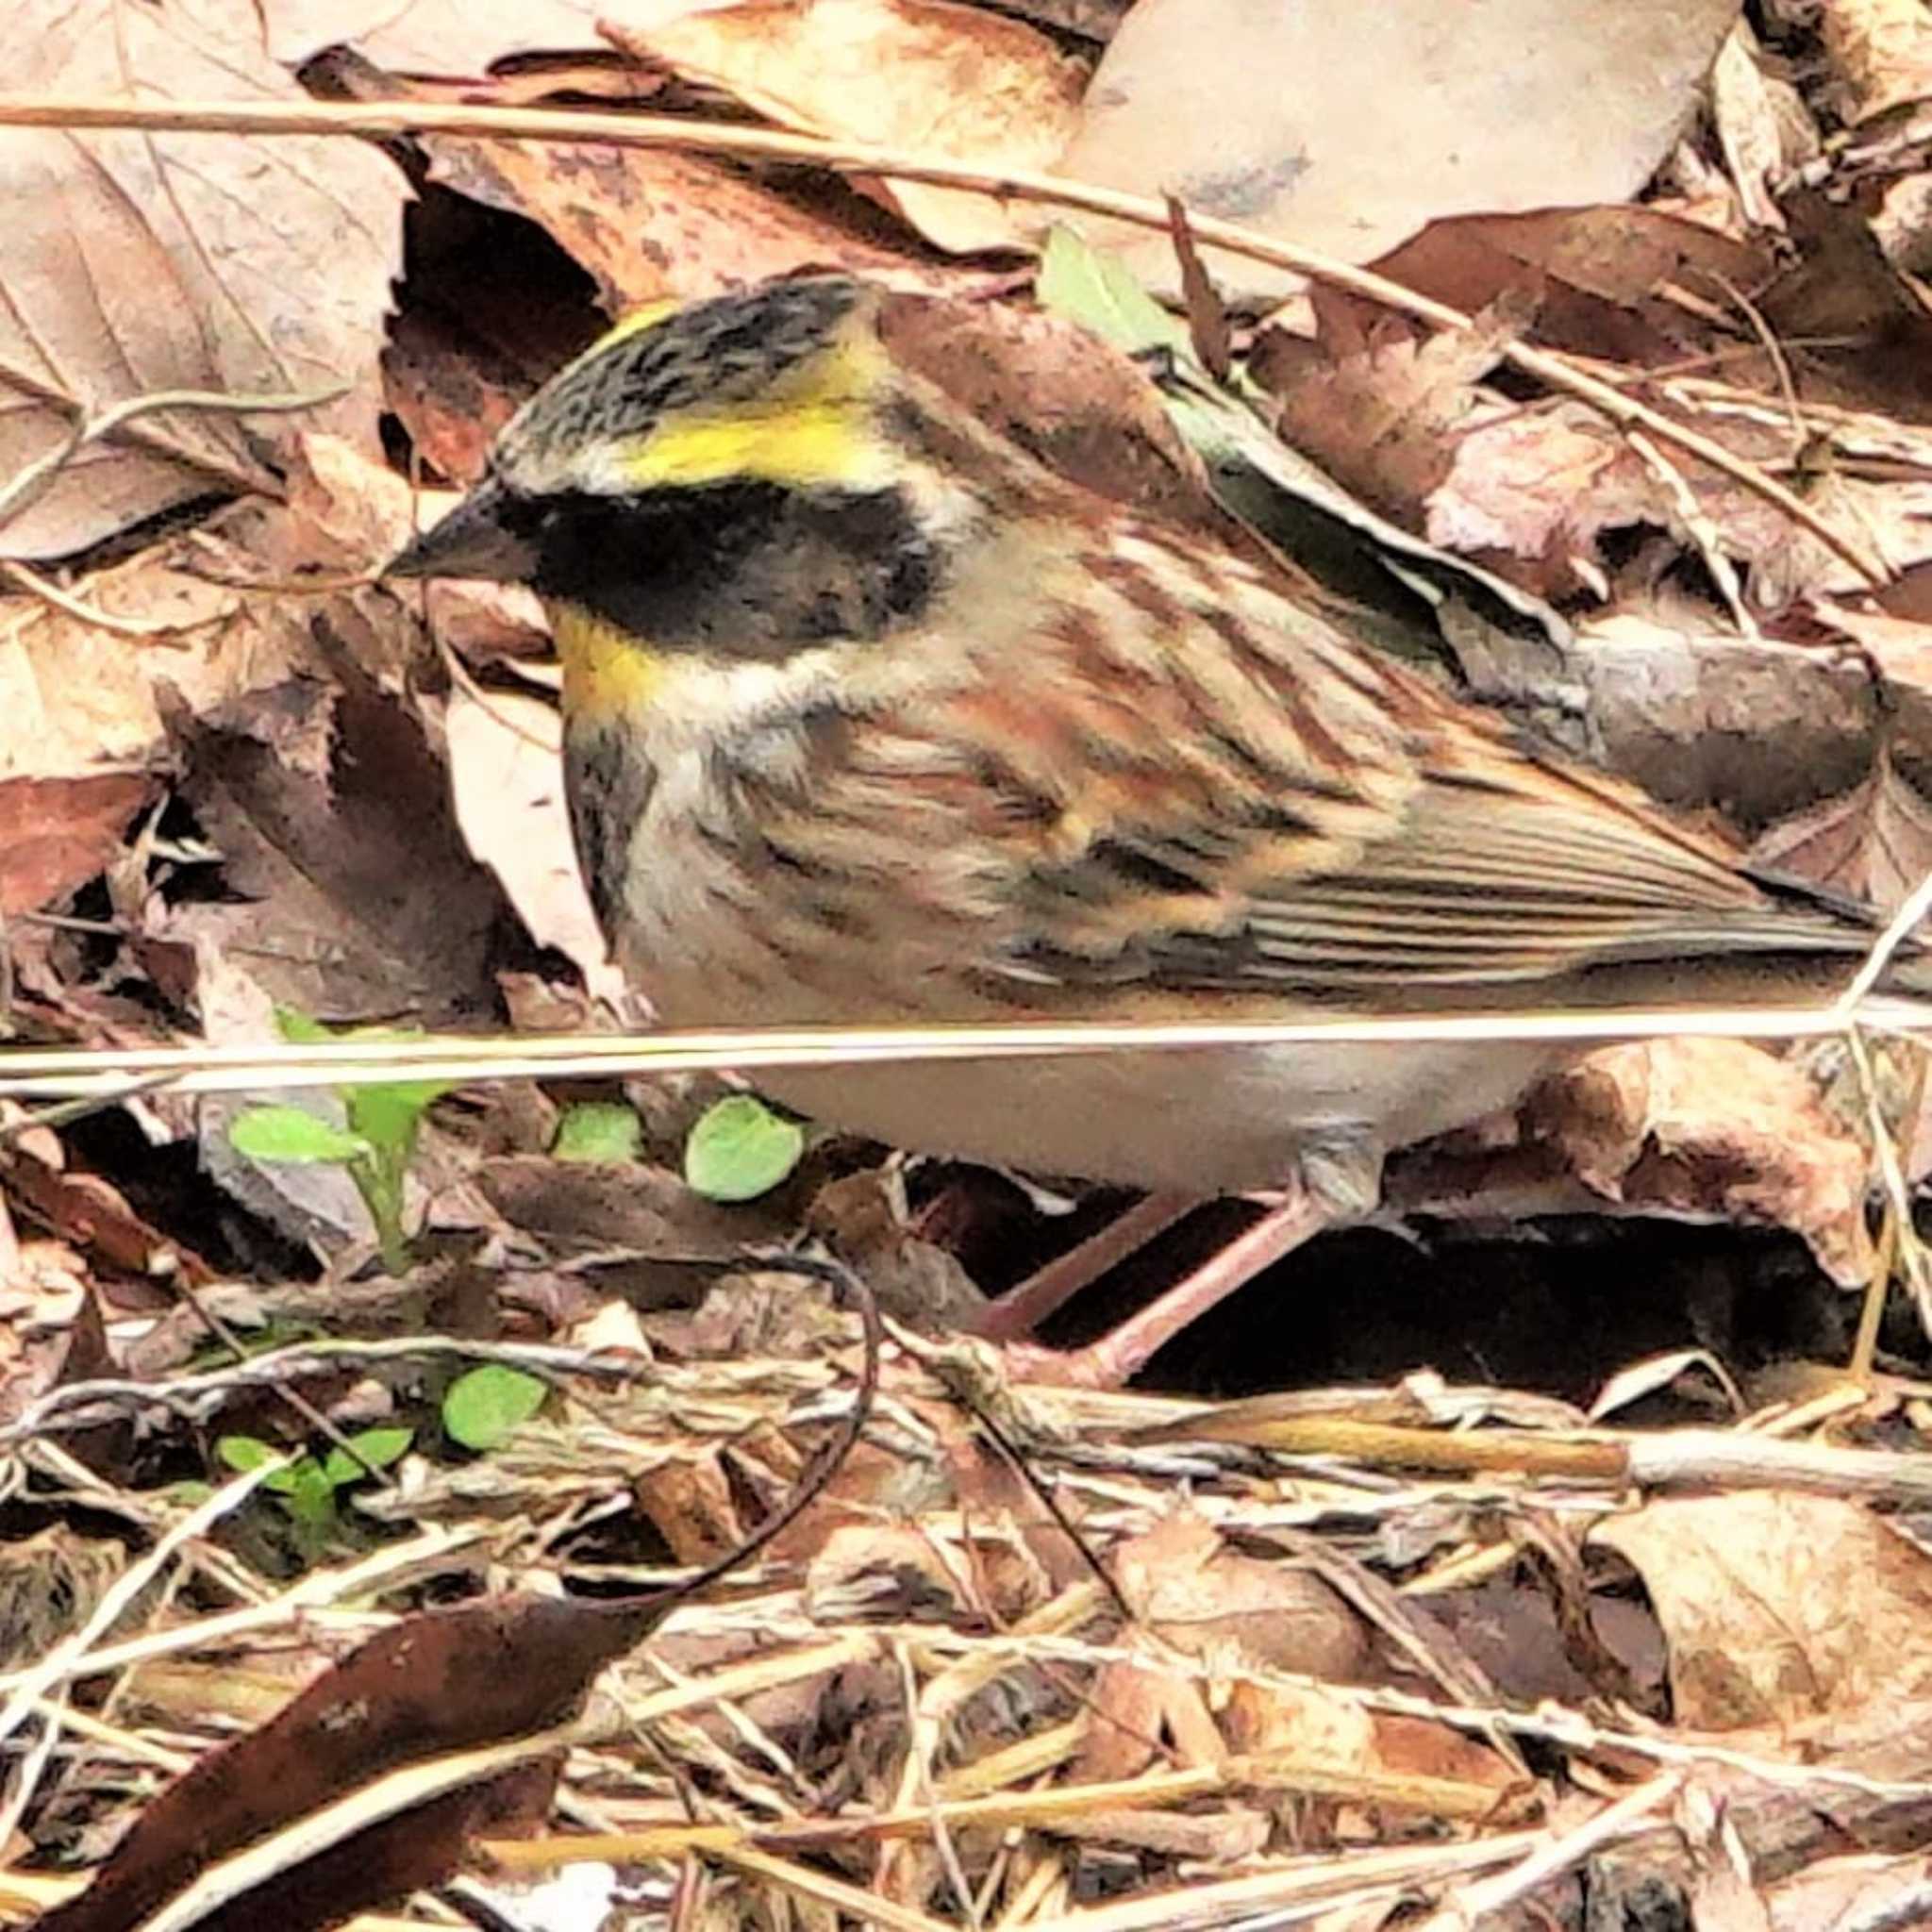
(1182, 780)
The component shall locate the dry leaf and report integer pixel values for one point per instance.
(1533, 490)
(451, 391)
(1336, 1737)
(1881, 52)
(430, 35)
(75, 696)
(1383, 419)
(1196, 1591)
(1779, 1607)
(950, 81)
(1714, 1129)
(506, 770)
(1874, 842)
(56, 833)
(1748, 128)
(359, 901)
(650, 226)
(1702, 717)
(144, 262)
(1346, 130)
(1605, 281)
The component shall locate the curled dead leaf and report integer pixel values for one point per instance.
(1713, 1128)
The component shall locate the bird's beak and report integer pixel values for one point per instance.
(477, 539)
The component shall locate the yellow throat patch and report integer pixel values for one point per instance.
(607, 672)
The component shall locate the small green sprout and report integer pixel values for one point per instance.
(307, 1488)
(377, 1146)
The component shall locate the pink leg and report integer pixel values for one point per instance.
(1023, 1308)
(1118, 1356)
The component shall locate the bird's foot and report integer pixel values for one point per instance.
(1121, 1353)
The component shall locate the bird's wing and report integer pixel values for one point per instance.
(1183, 782)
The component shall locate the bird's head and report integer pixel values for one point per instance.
(743, 478)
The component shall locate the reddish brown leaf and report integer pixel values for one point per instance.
(335, 825)
(435, 1684)
(652, 224)
(56, 833)
(1604, 281)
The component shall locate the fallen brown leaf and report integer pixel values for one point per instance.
(455, 37)
(649, 224)
(1778, 1607)
(357, 898)
(138, 263)
(1532, 491)
(1382, 417)
(1258, 115)
(1190, 1590)
(951, 81)
(58, 833)
(1874, 842)
(1717, 1129)
(1604, 281)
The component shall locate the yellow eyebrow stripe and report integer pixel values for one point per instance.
(814, 427)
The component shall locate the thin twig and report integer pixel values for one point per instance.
(1472, 1905)
(29, 482)
(95, 1077)
(386, 120)
(48, 592)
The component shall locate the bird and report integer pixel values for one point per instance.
(874, 712)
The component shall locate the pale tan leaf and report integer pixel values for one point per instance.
(1714, 1129)
(506, 777)
(75, 696)
(1881, 52)
(952, 80)
(430, 35)
(1748, 128)
(1778, 1607)
(138, 263)
(1347, 129)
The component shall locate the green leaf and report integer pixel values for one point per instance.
(377, 1448)
(244, 1453)
(598, 1130)
(1089, 285)
(298, 1029)
(308, 1495)
(292, 1134)
(388, 1114)
(483, 1406)
(741, 1149)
